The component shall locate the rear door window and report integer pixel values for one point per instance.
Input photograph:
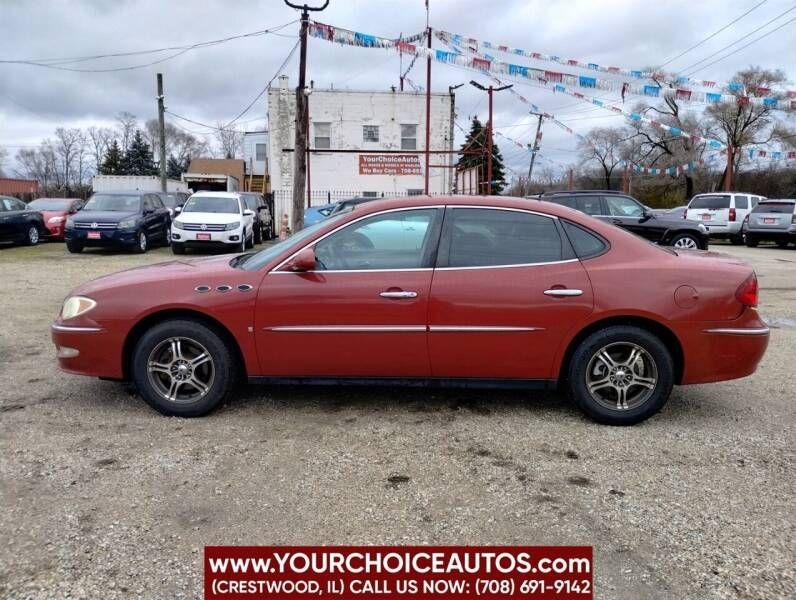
(780, 208)
(481, 237)
(590, 205)
(710, 202)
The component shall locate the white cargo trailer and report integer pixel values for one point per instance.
(211, 182)
(128, 183)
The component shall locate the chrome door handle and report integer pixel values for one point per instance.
(398, 294)
(563, 292)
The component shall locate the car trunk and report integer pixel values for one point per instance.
(773, 216)
(712, 209)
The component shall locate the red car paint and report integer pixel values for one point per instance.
(56, 229)
(524, 333)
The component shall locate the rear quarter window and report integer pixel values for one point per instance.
(585, 243)
(716, 202)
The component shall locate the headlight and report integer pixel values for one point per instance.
(127, 223)
(177, 224)
(55, 220)
(231, 226)
(74, 306)
(70, 223)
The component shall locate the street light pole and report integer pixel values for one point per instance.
(489, 91)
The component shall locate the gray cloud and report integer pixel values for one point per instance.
(214, 84)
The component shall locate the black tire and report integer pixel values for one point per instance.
(737, 240)
(167, 235)
(751, 242)
(258, 235)
(74, 247)
(178, 248)
(142, 243)
(617, 336)
(685, 240)
(223, 366)
(782, 244)
(32, 236)
(248, 242)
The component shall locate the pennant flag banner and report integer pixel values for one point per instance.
(673, 81)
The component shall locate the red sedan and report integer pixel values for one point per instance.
(55, 212)
(444, 291)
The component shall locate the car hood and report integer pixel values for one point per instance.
(199, 270)
(213, 218)
(102, 216)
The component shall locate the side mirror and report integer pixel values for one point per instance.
(645, 216)
(177, 209)
(248, 212)
(302, 262)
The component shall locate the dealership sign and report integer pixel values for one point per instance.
(389, 164)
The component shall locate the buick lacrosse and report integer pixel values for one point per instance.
(474, 291)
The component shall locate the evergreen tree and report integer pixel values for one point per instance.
(138, 158)
(112, 163)
(476, 141)
(175, 167)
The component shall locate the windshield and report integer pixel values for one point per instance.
(781, 208)
(50, 204)
(211, 204)
(169, 200)
(263, 257)
(114, 203)
(710, 202)
(325, 211)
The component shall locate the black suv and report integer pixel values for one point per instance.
(263, 223)
(131, 220)
(628, 213)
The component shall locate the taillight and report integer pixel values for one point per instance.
(747, 291)
(732, 214)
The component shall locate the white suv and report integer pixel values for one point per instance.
(722, 213)
(213, 219)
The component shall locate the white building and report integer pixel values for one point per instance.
(370, 121)
(255, 154)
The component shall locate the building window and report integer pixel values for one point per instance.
(260, 152)
(323, 137)
(370, 133)
(414, 192)
(408, 137)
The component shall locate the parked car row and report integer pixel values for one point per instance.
(136, 220)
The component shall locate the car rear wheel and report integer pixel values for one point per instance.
(74, 247)
(183, 368)
(142, 243)
(32, 236)
(751, 242)
(620, 375)
(685, 241)
(737, 240)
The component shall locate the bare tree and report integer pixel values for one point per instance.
(100, 139)
(3, 156)
(230, 141)
(608, 147)
(127, 126)
(67, 148)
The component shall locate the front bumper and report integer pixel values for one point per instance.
(55, 232)
(206, 239)
(86, 348)
(107, 237)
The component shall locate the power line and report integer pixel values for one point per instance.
(58, 63)
(745, 45)
(712, 35)
(766, 24)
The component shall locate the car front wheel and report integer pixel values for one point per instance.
(183, 368)
(686, 241)
(74, 247)
(32, 236)
(620, 375)
(142, 243)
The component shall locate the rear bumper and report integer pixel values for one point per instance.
(722, 229)
(773, 235)
(722, 350)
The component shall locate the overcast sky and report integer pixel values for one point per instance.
(215, 83)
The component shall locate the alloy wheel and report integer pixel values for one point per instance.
(621, 376)
(181, 370)
(33, 236)
(686, 243)
(142, 241)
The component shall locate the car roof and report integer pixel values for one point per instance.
(121, 193)
(235, 195)
(575, 192)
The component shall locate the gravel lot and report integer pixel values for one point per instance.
(102, 497)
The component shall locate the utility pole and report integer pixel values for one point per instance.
(428, 104)
(489, 91)
(162, 132)
(571, 182)
(536, 141)
(728, 174)
(450, 134)
(302, 120)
